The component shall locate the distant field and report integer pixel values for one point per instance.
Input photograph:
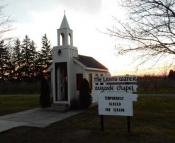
(16, 103)
(157, 85)
(156, 91)
(19, 87)
(153, 122)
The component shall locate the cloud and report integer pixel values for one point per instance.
(22, 8)
(89, 6)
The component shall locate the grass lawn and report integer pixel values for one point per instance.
(16, 103)
(153, 122)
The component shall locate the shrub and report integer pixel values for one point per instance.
(75, 104)
(171, 74)
(45, 100)
(85, 96)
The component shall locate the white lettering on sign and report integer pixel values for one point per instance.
(115, 94)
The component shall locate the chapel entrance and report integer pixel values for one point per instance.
(61, 82)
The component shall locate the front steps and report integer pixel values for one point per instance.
(60, 107)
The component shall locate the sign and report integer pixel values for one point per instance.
(112, 103)
(115, 94)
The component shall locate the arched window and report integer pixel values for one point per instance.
(69, 39)
(61, 39)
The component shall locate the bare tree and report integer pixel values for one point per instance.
(150, 26)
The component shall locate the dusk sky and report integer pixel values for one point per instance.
(87, 18)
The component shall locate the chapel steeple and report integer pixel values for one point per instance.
(64, 23)
(65, 34)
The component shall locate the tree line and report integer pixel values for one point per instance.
(21, 60)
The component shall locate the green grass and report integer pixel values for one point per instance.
(153, 122)
(16, 103)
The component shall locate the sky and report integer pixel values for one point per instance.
(89, 20)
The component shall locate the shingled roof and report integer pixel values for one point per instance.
(90, 62)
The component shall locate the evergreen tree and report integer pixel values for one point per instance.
(38, 65)
(2, 51)
(11, 66)
(45, 56)
(32, 59)
(25, 52)
(29, 56)
(5, 64)
(17, 57)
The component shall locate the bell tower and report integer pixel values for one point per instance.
(63, 65)
(64, 51)
(65, 34)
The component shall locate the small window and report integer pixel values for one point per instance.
(90, 81)
(79, 78)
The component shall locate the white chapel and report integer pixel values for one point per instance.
(69, 68)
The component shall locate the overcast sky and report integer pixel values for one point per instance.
(87, 18)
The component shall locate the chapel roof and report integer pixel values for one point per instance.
(90, 62)
(64, 23)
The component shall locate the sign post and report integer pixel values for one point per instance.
(129, 123)
(115, 96)
(102, 122)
